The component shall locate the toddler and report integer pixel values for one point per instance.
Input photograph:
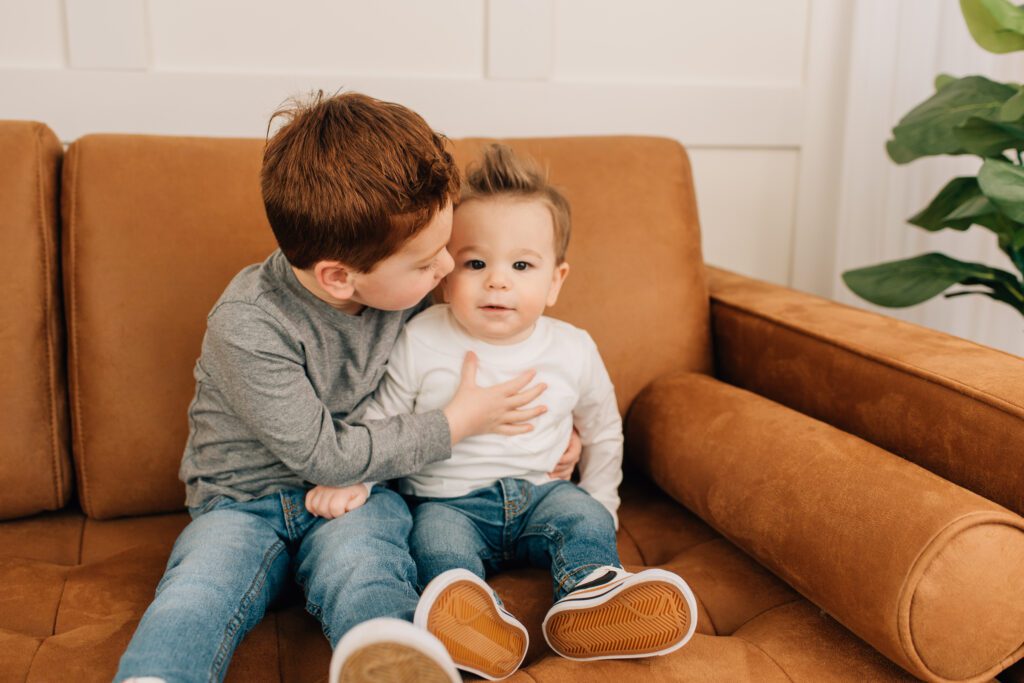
(492, 504)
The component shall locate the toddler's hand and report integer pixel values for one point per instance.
(497, 410)
(331, 501)
(567, 463)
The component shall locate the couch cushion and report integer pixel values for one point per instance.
(156, 227)
(71, 616)
(35, 468)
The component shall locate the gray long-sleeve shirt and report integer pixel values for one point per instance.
(280, 390)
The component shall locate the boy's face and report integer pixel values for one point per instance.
(401, 280)
(505, 271)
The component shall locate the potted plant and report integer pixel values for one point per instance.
(970, 115)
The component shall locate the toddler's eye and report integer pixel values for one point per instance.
(521, 265)
(475, 264)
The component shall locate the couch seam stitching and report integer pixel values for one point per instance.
(60, 601)
(73, 331)
(48, 323)
(39, 646)
(766, 610)
(762, 651)
(912, 654)
(916, 371)
(81, 540)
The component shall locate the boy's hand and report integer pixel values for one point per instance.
(495, 410)
(567, 463)
(330, 501)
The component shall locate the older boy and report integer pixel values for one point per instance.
(358, 193)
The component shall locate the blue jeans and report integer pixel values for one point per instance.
(557, 526)
(234, 558)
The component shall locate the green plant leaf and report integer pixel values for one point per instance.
(988, 138)
(1003, 183)
(1013, 108)
(928, 128)
(942, 80)
(961, 197)
(996, 25)
(1007, 291)
(910, 281)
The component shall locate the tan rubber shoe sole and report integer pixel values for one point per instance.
(391, 663)
(466, 621)
(644, 619)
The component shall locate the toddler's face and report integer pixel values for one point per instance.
(505, 272)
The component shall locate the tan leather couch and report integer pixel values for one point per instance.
(841, 490)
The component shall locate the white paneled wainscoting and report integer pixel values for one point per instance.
(783, 105)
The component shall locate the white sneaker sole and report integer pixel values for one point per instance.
(648, 614)
(391, 651)
(459, 609)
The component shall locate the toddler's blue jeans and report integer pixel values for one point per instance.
(234, 558)
(556, 526)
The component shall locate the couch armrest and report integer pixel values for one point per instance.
(949, 405)
(927, 572)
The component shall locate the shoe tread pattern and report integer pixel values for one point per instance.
(641, 620)
(466, 621)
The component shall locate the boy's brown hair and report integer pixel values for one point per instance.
(502, 173)
(351, 178)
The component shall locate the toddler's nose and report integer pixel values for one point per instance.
(497, 281)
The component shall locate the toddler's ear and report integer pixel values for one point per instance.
(557, 279)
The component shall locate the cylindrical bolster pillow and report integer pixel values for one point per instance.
(930, 574)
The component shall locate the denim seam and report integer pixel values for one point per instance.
(570, 575)
(286, 514)
(556, 537)
(316, 611)
(224, 651)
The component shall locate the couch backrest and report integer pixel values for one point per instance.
(155, 227)
(35, 467)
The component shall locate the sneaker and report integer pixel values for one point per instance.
(614, 614)
(481, 637)
(388, 650)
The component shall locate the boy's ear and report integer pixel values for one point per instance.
(335, 278)
(557, 278)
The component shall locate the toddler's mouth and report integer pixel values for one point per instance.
(495, 307)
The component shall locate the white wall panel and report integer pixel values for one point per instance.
(677, 41)
(520, 38)
(386, 37)
(106, 34)
(31, 33)
(746, 204)
(75, 102)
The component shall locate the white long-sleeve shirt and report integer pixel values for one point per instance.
(423, 374)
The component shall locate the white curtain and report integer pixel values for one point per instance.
(897, 49)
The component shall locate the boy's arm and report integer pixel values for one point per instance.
(597, 419)
(261, 373)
